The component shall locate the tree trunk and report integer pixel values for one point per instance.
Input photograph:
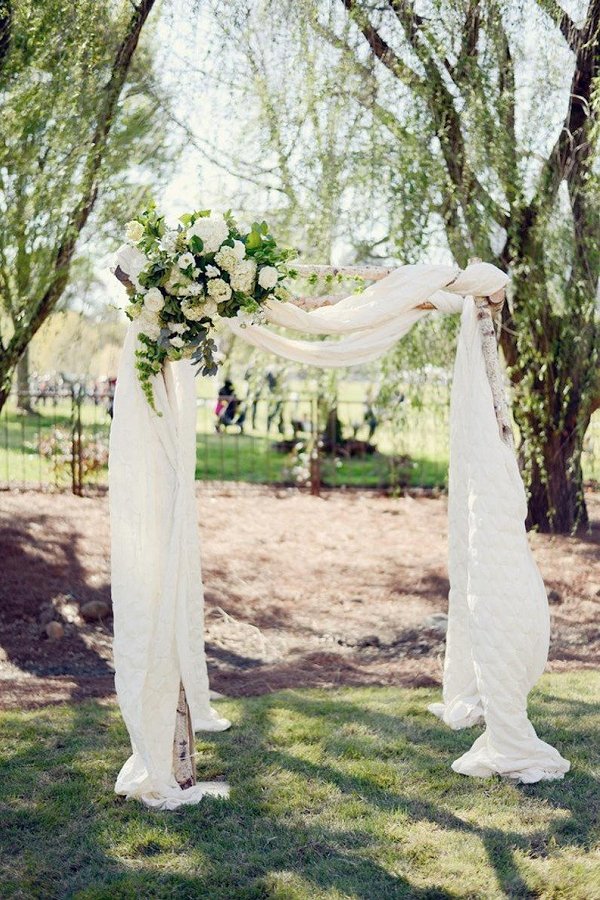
(108, 104)
(556, 498)
(23, 395)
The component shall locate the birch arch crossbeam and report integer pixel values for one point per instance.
(498, 620)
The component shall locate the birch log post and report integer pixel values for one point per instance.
(184, 756)
(487, 308)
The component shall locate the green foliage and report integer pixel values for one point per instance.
(53, 89)
(470, 127)
(336, 794)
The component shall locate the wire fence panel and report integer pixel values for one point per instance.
(59, 439)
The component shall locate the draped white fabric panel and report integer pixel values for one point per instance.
(498, 619)
(498, 631)
(498, 628)
(373, 320)
(156, 578)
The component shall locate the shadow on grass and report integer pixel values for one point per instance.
(295, 762)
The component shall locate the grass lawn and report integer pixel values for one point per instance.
(335, 794)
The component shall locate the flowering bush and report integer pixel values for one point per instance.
(205, 269)
(58, 446)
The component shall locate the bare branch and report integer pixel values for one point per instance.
(382, 49)
(563, 20)
(571, 152)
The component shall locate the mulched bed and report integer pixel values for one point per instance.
(300, 591)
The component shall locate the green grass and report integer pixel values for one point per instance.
(423, 439)
(335, 794)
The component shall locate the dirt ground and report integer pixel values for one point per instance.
(300, 591)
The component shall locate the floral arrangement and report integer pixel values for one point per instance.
(206, 268)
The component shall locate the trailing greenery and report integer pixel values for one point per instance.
(336, 795)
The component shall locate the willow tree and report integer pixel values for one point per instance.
(483, 119)
(63, 71)
(540, 219)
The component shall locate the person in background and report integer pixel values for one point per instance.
(275, 381)
(229, 410)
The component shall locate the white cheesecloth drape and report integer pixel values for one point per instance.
(498, 621)
(498, 616)
(157, 591)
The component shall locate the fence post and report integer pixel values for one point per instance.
(315, 452)
(76, 459)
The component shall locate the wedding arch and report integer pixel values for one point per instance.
(498, 621)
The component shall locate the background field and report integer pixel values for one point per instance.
(411, 450)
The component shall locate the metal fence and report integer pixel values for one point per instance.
(59, 438)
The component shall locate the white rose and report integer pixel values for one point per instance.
(131, 260)
(227, 258)
(212, 231)
(212, 272)
(190, 289)
(218, 289)
(242, 278)
(268, 277)
(185, 261)
(239, 248)
(154, 300)
(179, 328)
(177, 342)
(210, 309)
(134, 231)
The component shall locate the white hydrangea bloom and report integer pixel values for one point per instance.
(168, 242)
(212, 231)
(227, 258)
(219, 290)
(244, 318)
(242, 277)
(192, 311)
(267, 277)
(178, 328)
(177, 342)
(154, 300)
(211, 309)
(149, 324)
